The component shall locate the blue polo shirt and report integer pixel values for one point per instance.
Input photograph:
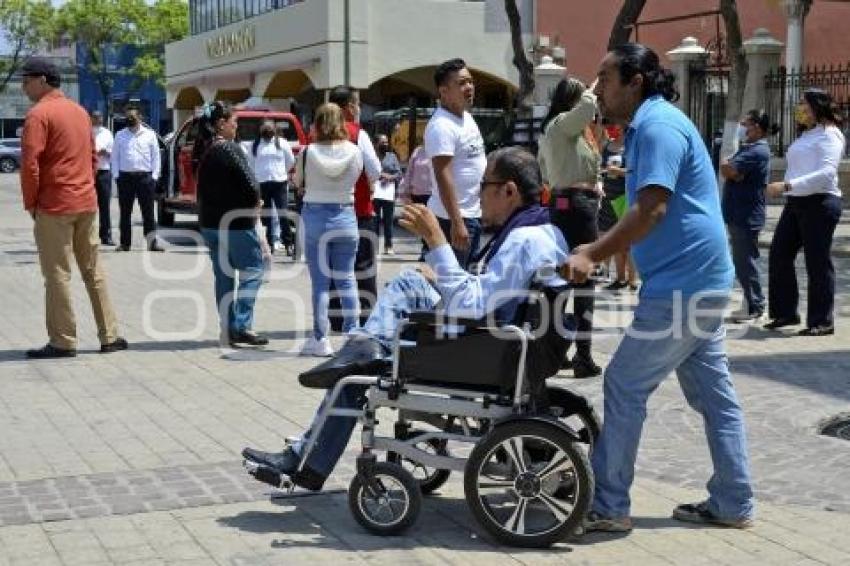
(687, 251)
(743, 201)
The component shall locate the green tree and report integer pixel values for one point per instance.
(25, 26)
(165, 22)
(98, 27)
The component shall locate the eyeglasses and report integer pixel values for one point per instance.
(485, 182)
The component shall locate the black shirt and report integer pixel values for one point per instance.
(225, 183)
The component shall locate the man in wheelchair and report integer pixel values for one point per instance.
(523, 246)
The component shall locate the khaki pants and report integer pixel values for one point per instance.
(57, 236)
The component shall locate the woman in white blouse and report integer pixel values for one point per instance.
(808, 221)
(272, 161)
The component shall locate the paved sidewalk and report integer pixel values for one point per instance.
(133, 457)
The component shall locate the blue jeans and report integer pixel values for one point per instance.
(331, 246)
(235, 252)
(696, 352)
(745, 255)
(473, 226)
(407, 292)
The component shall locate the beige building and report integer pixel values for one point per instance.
(285, 51)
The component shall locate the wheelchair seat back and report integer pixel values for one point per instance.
(484, 360)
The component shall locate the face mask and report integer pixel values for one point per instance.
(383, 148)
(801, 116)
(741, 134)
(267, 135)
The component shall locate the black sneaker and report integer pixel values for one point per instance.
(750, 317)
(616, 286)
(781, 322)
(699, 513)
(247, 338)
(584, 367)
(114, 346)
(820, 330)
(285, 462)
(49, 352)
(122, 248)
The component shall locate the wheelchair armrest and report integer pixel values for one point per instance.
(435, 318)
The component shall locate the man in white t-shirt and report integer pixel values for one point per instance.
(103, 180)
(456, 148)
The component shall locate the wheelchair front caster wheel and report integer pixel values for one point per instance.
(388, 502)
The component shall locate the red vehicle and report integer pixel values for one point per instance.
(179, 192)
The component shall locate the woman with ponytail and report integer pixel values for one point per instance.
(569, 161)
(228, 202)
(746, 175)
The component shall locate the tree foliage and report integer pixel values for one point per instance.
(26, 26)
(101, 27)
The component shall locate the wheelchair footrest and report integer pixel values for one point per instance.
(268, 475)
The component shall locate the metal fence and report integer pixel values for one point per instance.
(784, 88)
(709, 86)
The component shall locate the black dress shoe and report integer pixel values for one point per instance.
(108, 242)
(247, 338)
(122, 248)
(48, 352)
(114, 346)
(285, 462)
(820, 330)
(584, 367)
(781, 322)
(155, 248)
(360, 355)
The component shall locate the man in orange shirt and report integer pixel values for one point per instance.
(57, 181)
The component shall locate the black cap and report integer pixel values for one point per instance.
(38, 67)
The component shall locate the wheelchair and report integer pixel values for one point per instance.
(527, 478)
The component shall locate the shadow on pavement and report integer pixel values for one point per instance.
(445, 523)
(826, 372)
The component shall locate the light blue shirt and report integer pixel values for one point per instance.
(687, 251)
(528, 253)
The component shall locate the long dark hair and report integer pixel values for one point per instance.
(636, 59)
(823, 107)
(209, 117)
(761, 119)
(265, 127)
(567, 94)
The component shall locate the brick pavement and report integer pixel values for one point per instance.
(132, 458)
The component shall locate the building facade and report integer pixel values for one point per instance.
(291, 51)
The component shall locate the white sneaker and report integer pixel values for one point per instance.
(318, 348)
(276, 246)
(389, 251)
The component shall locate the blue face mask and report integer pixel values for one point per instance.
(741, 133)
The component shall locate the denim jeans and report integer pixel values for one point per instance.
(473, 226)
(235, 252)
(274, 195)
(331, 246)
(662, 339)
(745, 256)
(407, 292)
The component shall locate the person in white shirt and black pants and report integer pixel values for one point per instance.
(103, 179)
(811, 214)
(273, 159)
(136, 162)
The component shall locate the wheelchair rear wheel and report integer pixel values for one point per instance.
(429, 479)
(392, 506)
(528, 484)
(575, 412)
